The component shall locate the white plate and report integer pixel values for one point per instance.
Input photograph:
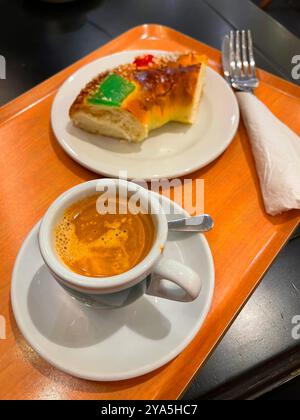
(171, 151)
(107, 345)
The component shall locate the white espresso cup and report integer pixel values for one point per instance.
(155, 275)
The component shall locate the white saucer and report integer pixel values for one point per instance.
(108, 345)
(171, 151)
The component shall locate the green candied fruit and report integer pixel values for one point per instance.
(112, 91)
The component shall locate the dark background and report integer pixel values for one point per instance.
(38, 39)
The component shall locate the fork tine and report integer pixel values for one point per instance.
(251, 54)
(244, 54)
(231, 53)
(238, 60)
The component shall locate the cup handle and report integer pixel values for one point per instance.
(187, 279)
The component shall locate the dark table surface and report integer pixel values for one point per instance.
(39, 39)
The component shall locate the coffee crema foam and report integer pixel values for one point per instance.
(100, 245)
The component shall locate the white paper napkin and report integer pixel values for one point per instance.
(276, 149)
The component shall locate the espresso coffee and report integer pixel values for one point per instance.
(102, 245)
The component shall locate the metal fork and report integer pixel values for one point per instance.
(238, 61)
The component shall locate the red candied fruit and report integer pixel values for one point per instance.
(144, 60)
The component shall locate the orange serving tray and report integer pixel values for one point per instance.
(35, 170)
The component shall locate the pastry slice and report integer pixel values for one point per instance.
(129, 101)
